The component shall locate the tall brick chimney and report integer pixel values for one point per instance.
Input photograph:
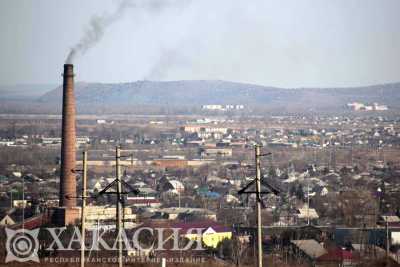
(68, 156)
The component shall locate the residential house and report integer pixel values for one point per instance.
(305, 213)
(208, 232)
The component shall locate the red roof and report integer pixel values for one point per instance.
(338, 254)
(33, 222)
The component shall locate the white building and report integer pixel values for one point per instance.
(222, 107)
(205, 129)
(105, 216)
(357, 106)
(213, 107)
(378, 107)
(80, 140)
(6, 143)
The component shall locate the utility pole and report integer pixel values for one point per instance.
(351, 154)
(247, 190)
(308, 201)
(83, 214)
(119, 211)
(83, 196)
(23, 203)
(334, 158)
(387, 238)
(119, 193)
(258, 190)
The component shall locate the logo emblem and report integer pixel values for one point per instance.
(22, 245)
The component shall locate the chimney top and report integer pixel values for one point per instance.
(68, 70)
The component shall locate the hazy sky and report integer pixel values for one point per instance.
(286, 43)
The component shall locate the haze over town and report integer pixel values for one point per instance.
(200, 133)
(283, 44)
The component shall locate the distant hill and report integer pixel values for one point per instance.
(24, 91)
(197, 93)
(190, 95)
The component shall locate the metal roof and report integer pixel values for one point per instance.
(310, 247)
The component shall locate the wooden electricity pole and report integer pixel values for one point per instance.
(258, 181)
(119, 211)
(387, 239)
(83, 214)
(258, 192)
(118, 182)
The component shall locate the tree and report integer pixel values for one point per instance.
(230, 249)
(272, 172)
(300, 192)
(225, 248)
(382, 196)
(292, 190)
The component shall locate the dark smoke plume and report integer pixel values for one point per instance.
(95, 30)
(98, 24)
